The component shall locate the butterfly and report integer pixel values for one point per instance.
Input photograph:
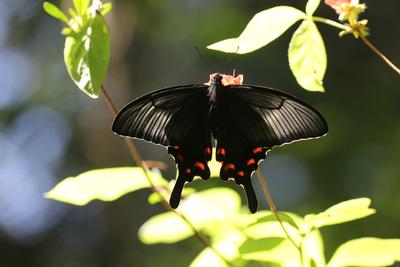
(246, 122)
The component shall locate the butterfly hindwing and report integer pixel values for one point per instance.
(252, 120)
(177, 118)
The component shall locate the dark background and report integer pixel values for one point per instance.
(50, 130)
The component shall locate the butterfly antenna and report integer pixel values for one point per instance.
(233, 56)
(202, 58)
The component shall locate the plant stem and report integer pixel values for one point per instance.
(379, 53)
(273, 208)
(139, 162)
(363, 37)
(332, 23)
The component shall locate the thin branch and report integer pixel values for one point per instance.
(348, 28)
(271, 205)
(139, 162)
(379, 53)
(332, 23)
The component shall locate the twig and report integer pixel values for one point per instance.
(348, 28)
(274, 210)
(379, 53)
(332, 23)
(139, 162)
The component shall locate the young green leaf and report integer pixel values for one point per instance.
(166, 227)
(262, 29)
(367, 251)
(313, 249)
(86, 56)
(272, 228)
(345, 211)
(81, 6)
(227, 245)
(272, 249)
(311, 6)
(307, 56)
(105, 8)
(203, 209)
(55, 12)
(155, 198)
(104, 184)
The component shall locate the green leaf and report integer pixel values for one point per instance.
(106, 8)
(267, 226)
(271, 249)
(272, 228)
(311, 6)
(104, 184)
(86, 56)
(167, 227)
(262, 29)
(81, 6)
(367, 251)
(72, 13)
(214, 165)
(55, 12)
(307, 56)
(345, 211)
(155, 198)
(227, 245)
(203, 209)
(313, 249)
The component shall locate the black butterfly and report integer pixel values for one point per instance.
(247, 121)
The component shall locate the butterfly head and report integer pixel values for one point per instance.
(225, 79)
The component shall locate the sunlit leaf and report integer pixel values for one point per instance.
(271, 249)
(262, 29)
(272, 229)
(343, 212)
(227, 245)
(72, 13)
(167, 227)
(214, 165)
(307, 56)
(367, 251)
(106, 8)
(81, 6)
(104, 184)
(86, 56)
(55, 12)
(311, 6)
(268, 216)
(313, 249)
(155, 198)
(203, 209)
(267, 226)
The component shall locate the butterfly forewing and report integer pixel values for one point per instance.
(153, 117)
(178, 118)
(250, 121)
(281, 119)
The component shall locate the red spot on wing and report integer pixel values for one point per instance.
(188, 170)
(250, 162)
(229, 166)
(221, 151)
(207, 151)
(241, 173)
(200, 165)
(257, 150)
